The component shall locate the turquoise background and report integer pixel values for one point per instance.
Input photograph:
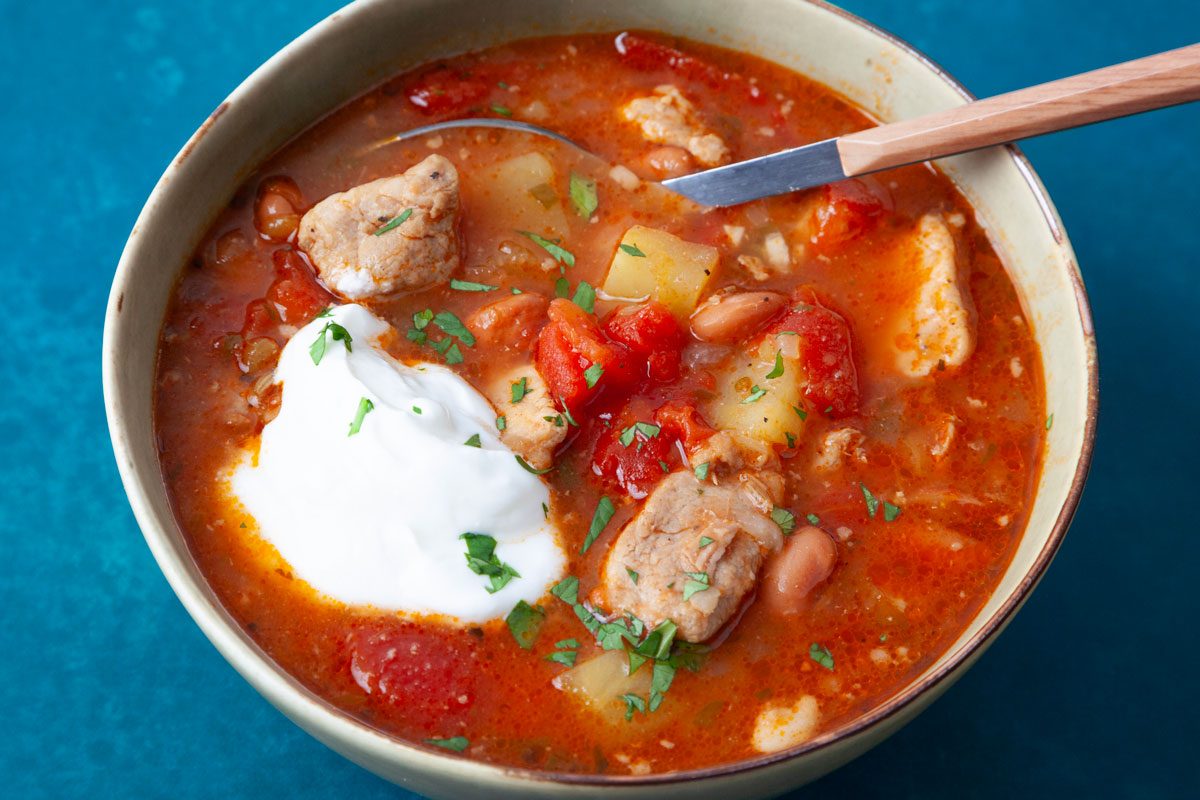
(108, 689)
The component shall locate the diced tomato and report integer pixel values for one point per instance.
(831, 381)
(262, 319)
(637, 466)
(648, 55)
(295, 291)
(681, 421)
(442, 90)
(572, 343)
(847, 210)
(428, 677)
(650, 332)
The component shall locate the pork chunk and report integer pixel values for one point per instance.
(527, 431)
(667, 117)
(340, 233)
(935, 331)
(667, 545)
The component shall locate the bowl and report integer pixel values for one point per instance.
(363, 44)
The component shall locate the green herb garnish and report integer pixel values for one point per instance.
(647, 430)
(602, 516)
(455, 743)
(335, 332)
(585, 297)
(785, 519)
(777, 370)
(561, 255)
(871, 500)
(394, 222)
(473, 441)
(756, 394)
(501, 422)
(697, 582)
(592, 374)
(890, 511)
(482, 560)
(583, 195)
(528, 468)
(701, 471)
(520, 389)
(820, 654)
(365, 406)
(633, 250)
(524, 622)
(471, 286)
(501, 110)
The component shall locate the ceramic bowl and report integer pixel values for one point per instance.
(363, 44)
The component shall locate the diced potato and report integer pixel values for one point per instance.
(673, 272)
(599, 683)
(524, 192)
(749, 402)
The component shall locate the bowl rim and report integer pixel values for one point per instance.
(295, 699)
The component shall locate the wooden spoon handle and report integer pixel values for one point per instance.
(1157, 81)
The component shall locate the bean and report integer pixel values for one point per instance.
(277, 210)
(729, 317)
(807, 559)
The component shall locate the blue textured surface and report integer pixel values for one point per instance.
(108, 689)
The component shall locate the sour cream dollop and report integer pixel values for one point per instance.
(375, 517)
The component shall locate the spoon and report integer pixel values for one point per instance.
(1145, 84)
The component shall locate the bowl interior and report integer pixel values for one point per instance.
(365, 43)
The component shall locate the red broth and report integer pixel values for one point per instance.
(902, 590)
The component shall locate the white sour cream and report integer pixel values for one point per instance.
(375, 518)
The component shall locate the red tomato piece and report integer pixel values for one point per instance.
(442, 90)
(680, 420)
(650, 331)
(262, 319)
(847, 210)
(570, 345)
(430, 677)
(295, 291)
(831, 381)
(635, 467)
(648, 55)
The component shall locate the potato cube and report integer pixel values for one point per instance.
(748, 401)
(671, 271)
(523, 192)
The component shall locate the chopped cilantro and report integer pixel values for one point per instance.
(871, 500)
(365, 406)
(422, 318)
(471, 286)
(813, 519)
(524, 622)
(663, 466)
(567, 590)
(417, 410)
(791, 440)
(562, 287)
(395, 222)
(585, 297)
(520, 389)
(785, 519)
(561, 255)
(705, 541)
(777, 370)
(646, 430)
(583, 195)
(820, 654)
(701, 471)
(528, 468)
(564, 657)
(455, 743)
(453, 326)
(633, 703)
(1049, 422)
(335, 332)
(592, 374)
(501, 422)
(633, 576)
(602, 516)
(800, 412)
(501, 110)
(482, 560)
(756, 394)
(890, 511)
(473, 441)
(633, 250)
(697, 582)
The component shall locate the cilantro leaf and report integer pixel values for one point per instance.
(525, 464)
(524, 622)
(453, 326)
(785, 519)
(471, 286)
(365, 406)
(820, 654)
(583, 195)
(482, 560)
(455, 743)
(871, 500)
(604, 513)
(567, 590)
(890, 511)
(633, 250)
(777, 370)
(520, 389)
(756, 394)
(585, 297)
(335, 332)
(395, 222)
(560, 254)
(701, 471)
(592, 374)
(473, 441)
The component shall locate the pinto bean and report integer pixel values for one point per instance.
(512, 322)
(728, 317)
(277, 209)
(807, 559)
(669, 162)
